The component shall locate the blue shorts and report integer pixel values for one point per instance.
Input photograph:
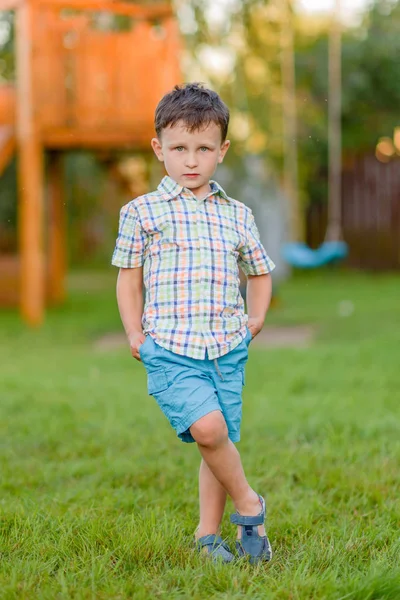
(187, 389)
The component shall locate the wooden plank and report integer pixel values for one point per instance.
(57, 260)
(51, 83)
(30, 177)
(93, 79)
(132, 102)
(172, 73)
(118, 8)
(159, 54)
(81, 75)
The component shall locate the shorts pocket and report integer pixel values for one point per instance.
(249, 336)
(142, 346)
(157, 381)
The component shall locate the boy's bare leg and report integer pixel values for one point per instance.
(212, 498)
(223, 459)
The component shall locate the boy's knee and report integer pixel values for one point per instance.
(211, 430)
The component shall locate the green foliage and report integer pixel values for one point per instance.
(370, 92)
(371, 82)
(371, 79)
(7, 55)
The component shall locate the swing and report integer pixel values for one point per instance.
(333, 249)
(301, 256)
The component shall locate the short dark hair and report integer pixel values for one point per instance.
(195, 105)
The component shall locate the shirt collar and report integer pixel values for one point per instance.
(170, 189)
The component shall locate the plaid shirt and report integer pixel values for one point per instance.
(190, 250)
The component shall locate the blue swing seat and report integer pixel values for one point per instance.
(298, 254)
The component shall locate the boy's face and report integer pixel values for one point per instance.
(191, 158)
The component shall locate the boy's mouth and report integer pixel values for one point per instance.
(191, 175)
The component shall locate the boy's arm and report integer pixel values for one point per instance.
(257, 266)
(130, 305)
(129, 257)
(258, 296)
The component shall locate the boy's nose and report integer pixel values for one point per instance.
(191, 161)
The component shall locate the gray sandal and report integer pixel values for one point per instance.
(216, 548)
(256, 547)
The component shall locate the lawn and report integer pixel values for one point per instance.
(99, 498)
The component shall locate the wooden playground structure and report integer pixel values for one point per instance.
(79, 84)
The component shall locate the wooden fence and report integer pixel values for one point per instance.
(371, 215)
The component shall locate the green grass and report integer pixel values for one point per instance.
(99, 498)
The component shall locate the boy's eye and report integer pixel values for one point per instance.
(203, 149)
(179, 148)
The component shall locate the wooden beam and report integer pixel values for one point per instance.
(30, 177)
(32, 287)
(160, 11)
(57, 242)
(64, 137)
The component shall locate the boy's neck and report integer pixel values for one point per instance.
(201, 192)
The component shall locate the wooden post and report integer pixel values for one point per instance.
(290, 180)
(30, 176)
(57, 230)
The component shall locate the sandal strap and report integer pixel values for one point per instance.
(259, 519)
(212, 540)
(238, 519)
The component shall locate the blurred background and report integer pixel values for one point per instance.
(98, 500)
(314, 92)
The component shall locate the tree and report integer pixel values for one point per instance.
(253, 88)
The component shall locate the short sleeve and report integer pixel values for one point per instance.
(131, 240)
(253, 259)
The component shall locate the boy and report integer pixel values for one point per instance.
(184, 242)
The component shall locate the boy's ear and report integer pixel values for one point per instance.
(223, 150)
(156, 145)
